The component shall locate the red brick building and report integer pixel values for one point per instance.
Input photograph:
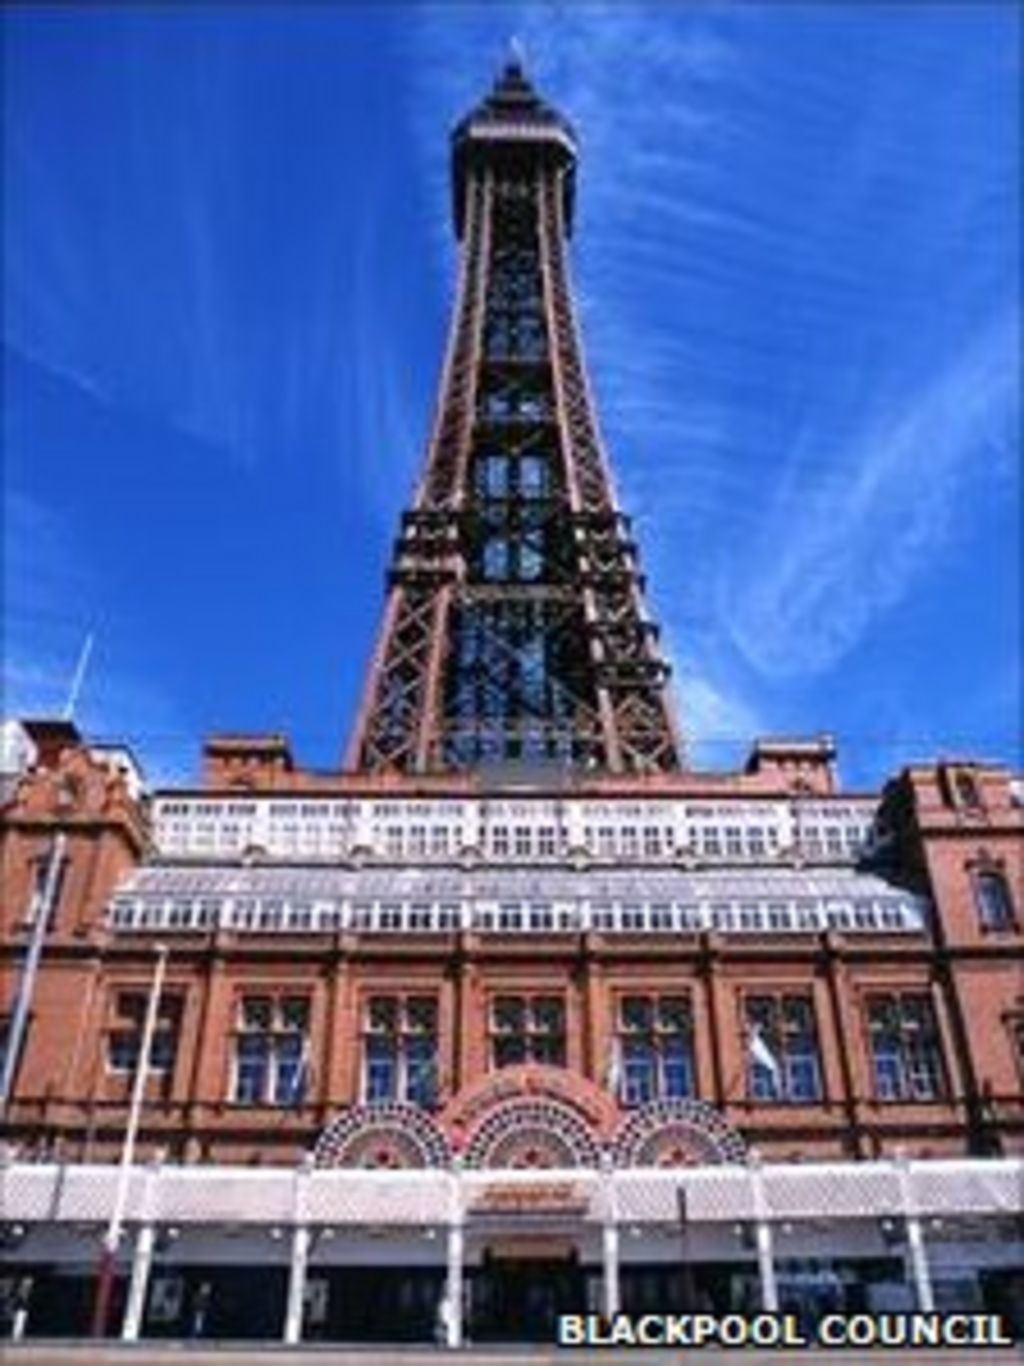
(515, 934)
(892, 921)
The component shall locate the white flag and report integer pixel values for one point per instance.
(613, 1072)
(763, 1055)
(300, 1077)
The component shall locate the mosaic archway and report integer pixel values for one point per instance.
(676, 1133)
(468, 1108)
(535, 1133)
(388, 1135)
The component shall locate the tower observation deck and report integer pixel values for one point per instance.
(514, 629)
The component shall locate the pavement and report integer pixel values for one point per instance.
(91, 1353)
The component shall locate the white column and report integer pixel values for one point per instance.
(142, 1257)
(611, 1299)
(142, 1261)
(296, 1285)
(301, 1244)
(456, 1257)
(917, 1253)
(763, 1240)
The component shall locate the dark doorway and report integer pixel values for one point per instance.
(373, 1304)
(519, 1300)
(60, 1301)
(232, 1303)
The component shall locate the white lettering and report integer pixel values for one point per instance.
(732, 1330)
(956, 1330)
(571, 1330)
(1000, 1337)
(861, 1330)
(678, 1331)
(705, 1327)
(621, 1332)
(650, 1330)
(832, 1330)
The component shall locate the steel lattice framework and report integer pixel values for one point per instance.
(515, 628)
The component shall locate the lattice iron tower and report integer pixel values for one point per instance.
(515, 627)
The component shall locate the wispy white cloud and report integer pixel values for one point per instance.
(387, 431)
(717, 723)
(144, 278)
(779, 281)
(841, 549)
(51, 598)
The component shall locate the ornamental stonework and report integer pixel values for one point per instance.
(385, 1136)
(533, 1133)
(676, 1133)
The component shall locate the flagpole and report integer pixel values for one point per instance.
(112, 1237)
(78, 677)
(19, 1019)
(41, 923)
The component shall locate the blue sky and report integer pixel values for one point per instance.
(227, 269)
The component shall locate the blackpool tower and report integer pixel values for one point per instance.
(515, 628)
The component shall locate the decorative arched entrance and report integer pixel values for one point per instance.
(533, 1132)
(531, 1116)
(526, 1233)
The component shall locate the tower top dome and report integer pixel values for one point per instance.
(511, 124)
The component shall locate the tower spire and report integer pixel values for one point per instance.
(515, 626)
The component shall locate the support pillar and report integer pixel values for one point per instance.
(610, 1249)
(611, 1298)
(142, 1257)
(142, 1262)
(296, 1285)
(452, 1317)
(917, 1252)
(766, 1267)
(764, 1241)
(918, 1257)
(301, 1244)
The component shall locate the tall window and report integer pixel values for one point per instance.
(528, 1029)
(992, 899)
(782, 1049)
(124, 1037)
(271, 1050)
(655, 1048)
(400, 1049)
(905, 1048)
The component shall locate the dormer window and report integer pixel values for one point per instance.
(965, 787)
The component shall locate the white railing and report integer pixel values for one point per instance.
(898, 914)
(655, 831)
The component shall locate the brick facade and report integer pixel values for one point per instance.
(943, 826)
